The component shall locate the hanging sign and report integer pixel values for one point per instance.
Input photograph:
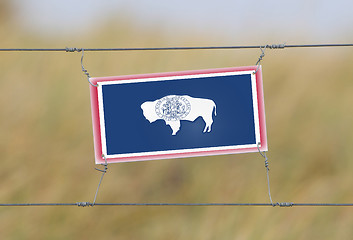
(179, 114)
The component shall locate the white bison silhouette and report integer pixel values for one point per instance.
(173, 108)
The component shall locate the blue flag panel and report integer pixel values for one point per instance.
(178, 114)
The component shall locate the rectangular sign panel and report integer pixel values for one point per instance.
(179, 114)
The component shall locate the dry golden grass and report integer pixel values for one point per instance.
(47, 147)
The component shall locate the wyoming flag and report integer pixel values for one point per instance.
(179, 114)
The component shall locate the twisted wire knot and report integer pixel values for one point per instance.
(84, 204)
(261, 57)
(276, 46)
(67, 49)
(283, 204)
(85, 72)
(267, 164)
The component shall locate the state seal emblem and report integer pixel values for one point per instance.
(173, 108)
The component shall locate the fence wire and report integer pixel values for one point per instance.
(268, 46)
(89, 204)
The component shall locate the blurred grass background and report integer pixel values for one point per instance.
(46, 145)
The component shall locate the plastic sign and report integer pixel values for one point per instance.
(179, 114)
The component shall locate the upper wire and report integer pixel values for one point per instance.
(270, 46)
(85, 204)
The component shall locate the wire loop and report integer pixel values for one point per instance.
(103, 172)
(263, 154)
(262, 55)
(84, 70)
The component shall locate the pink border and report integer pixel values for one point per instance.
(96, 125)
